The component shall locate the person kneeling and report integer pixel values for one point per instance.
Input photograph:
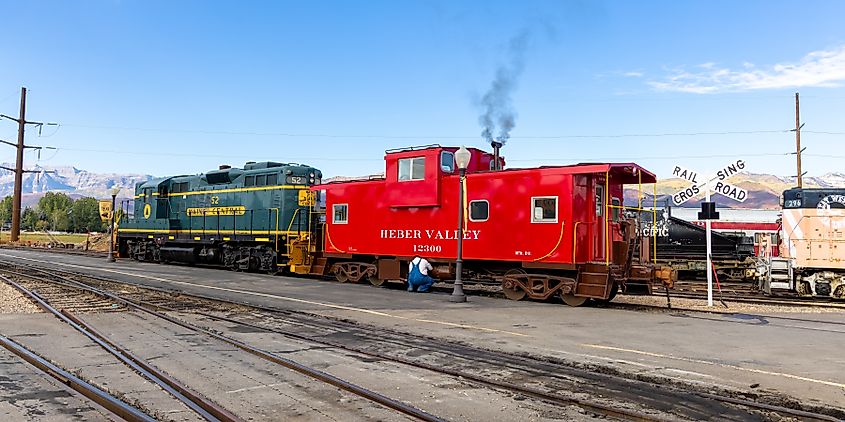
(418, 277)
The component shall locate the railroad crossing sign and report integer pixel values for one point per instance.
(721, 186)
(708, 208)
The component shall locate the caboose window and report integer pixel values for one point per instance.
(447, 162)
(341, 213)
(479, 211)
(411, 169)
(544, 209)
(249, 181)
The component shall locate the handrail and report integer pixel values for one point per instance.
(562, 224)
(575, 237)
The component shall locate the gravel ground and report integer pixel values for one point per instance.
(12, 302)
(701, 305)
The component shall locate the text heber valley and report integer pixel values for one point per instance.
(429, 234)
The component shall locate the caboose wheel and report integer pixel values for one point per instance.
(375, 281)
(341, 277)
(573, 300)
(510, 290)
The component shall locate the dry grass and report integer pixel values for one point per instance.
(76, 238)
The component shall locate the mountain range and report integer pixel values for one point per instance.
(70, 180)
(764, 190)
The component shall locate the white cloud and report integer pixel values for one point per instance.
(633, 74)
(816, 69)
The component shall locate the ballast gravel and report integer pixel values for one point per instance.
(13, 302)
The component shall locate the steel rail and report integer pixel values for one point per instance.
(807, 303)
(196, 402)
(605, 410)
(102, 398)
(527, 390)
(271, 357)
(209, 406)
(621, 414)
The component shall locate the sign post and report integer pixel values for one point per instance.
(708, 208)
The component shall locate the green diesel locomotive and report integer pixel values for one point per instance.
(251, 219)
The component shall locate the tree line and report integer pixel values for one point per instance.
(57, 212)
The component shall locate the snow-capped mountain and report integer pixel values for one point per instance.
(70, 180)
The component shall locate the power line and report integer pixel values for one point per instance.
(382, 136)
(326, 158)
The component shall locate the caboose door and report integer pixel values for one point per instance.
(598, 222)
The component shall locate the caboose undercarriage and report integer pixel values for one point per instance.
(574, 284)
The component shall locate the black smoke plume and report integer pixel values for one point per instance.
(498, 117)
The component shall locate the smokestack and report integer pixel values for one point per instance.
(224, 167)
(496, 163)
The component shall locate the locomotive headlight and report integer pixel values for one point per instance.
(288, 172)
(311, 175)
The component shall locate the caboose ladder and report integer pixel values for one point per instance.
(593, 281)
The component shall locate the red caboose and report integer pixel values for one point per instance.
(539, 231)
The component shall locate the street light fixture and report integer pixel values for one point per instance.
(462, 158)
(114, 191)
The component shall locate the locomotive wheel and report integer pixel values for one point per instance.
(573, 300)
(514, 293)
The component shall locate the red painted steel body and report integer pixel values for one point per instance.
(402, 218)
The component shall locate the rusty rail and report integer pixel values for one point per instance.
(290, 364)
(204, 407)
(106, 400)
(624, 414)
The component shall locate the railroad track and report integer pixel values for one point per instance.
(87, 390)
(559, 383)
(734, 292)
(204, 407)
(748, 295)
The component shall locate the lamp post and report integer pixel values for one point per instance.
(114, 191)
(462, 157)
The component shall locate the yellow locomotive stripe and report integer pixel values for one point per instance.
(262, 239)
(253, 232)
(205, 192)
(212, 192)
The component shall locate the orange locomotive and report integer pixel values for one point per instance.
(541, 231)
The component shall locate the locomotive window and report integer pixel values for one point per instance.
(544, 209)
(479, 211)
(412, 168)
(341, 213)
(249, 181)
(261, 180)
(447, 162)
(272, 179)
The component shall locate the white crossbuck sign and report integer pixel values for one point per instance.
(721, 186)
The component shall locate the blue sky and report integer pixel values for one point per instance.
(166, 87)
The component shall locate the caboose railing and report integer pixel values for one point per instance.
(622, 208)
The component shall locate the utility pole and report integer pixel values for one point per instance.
(19, 171)
(16, 201)
(798, 139)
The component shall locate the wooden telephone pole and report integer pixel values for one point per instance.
(19, 171)
(798, 150)
(16, 201)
